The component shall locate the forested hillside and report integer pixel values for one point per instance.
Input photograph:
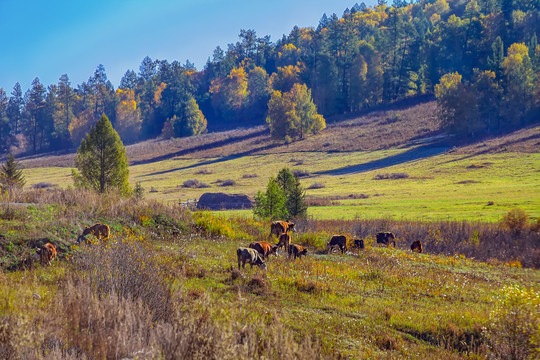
(480, 58)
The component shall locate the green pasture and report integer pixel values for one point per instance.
(376, 303)
(438, 187)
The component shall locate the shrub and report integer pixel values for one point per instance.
(44, 185)
(127, 266)
(395, 117)
(194, 183)
(301, 173)
(515, 220)
(513, 330)
(228, 182)
(391, 176)
(316, 186)
(249, 176)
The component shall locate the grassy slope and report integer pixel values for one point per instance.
(443, 183)
(379, 303)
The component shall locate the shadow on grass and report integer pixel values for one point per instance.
(215, 161)
(417, 153)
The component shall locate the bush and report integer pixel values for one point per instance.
(391, 176)
(301, 173)
(515, 220)
(316, 186)
(127, 267)
(393, 118)
(194, 183)
(228, 182)
(513, 330)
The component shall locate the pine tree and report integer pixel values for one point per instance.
(11, 175)
(285, 180)
(102, 161)
(296, 201)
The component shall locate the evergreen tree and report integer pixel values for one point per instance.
(129, 80)
(4, 122)
(15, 106)
(11, 175)
(102, 161)
(285, 179)
(64, 117)
(296, 201)
(271, 204)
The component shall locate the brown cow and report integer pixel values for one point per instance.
(250, 256)
(297, 251)
(101, 231)
(279, 227)
(47, 253)
(386, 238)
(417, 246)
(284, 241)
(265, 249)
(337, 240)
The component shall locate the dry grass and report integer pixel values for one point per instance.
(492, 243)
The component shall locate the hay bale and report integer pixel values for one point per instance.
(222, 201)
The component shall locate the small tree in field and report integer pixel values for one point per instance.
(296, 201)
(271, 204)
(102, 161)
(284, 198)
(11, 176)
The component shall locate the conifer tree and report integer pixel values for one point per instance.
(11, 175)
(102, 161)
(296, 201)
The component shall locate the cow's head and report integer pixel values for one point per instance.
(303, 252)
(291, 226)
(259, 262)
(273, 249)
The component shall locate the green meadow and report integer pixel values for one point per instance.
(440, 187)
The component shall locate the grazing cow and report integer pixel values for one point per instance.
(284, 241)
(386, 238)
(101, 231)
(251, 256)
(47, 253)
(297, 251)
(417, 246)
(263, 248)
(359, 244)
(279, 227)
(338, 240)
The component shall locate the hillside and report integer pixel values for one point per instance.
(341, 166)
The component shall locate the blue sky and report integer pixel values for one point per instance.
(46, 39)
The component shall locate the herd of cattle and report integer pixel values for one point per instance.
(256, 253)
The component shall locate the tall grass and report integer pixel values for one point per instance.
(116, 301)
(486, 242)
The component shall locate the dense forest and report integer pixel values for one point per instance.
(480, 58)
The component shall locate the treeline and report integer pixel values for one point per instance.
(480, 57)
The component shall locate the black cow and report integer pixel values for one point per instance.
(386, 238)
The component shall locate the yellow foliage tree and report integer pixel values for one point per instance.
(128, 116)
(81, 125)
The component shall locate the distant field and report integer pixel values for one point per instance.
(441, 187)
(429, 179)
